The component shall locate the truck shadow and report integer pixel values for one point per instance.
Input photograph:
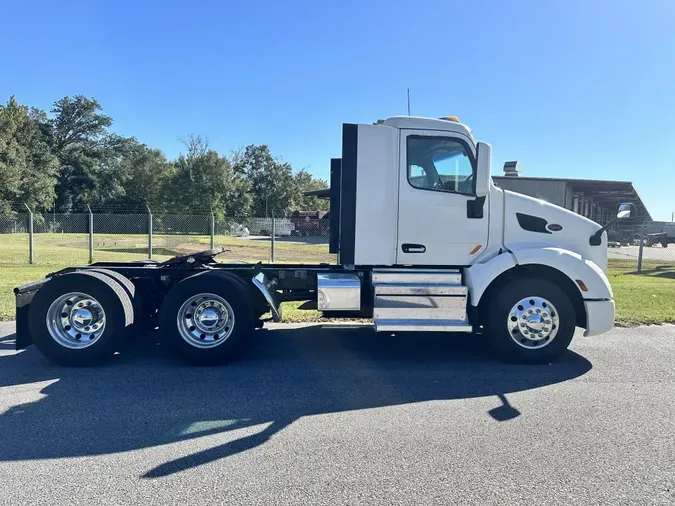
(661, 271)
(144, 398)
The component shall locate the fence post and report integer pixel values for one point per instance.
(91, 235)
(30, 235)
(272, 243)
(643, 236)
(213, 230)
(149, 232)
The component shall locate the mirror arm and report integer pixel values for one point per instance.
(596, 239)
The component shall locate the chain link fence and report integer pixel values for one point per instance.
(647, 247)
(81, 238)
(643, 247)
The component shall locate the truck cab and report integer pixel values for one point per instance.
(415, 195)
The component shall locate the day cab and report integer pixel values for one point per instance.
(424, 240)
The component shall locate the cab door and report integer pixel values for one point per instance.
(439, 222)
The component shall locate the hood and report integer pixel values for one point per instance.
(530, 222)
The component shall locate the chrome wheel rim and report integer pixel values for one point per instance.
(533, 322)
(205, 320)
(76, 320)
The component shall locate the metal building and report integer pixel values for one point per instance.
(594, 199)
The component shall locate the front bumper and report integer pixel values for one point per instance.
(599, 316)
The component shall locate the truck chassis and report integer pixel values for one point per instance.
(145, 285)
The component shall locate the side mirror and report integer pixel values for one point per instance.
(625, 211)
(484, 157)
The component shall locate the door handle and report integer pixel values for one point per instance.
(413, 248)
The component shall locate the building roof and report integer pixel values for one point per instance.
(599, 190)
(323, 193)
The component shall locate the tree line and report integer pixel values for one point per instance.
(68, 159)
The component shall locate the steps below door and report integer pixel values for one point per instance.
(419, 300)
(451, 276)
(428, 325)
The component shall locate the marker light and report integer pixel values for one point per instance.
(450, 118)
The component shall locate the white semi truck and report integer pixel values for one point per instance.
(425, 242)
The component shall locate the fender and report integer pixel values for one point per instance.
(573, 265)
(479, 276)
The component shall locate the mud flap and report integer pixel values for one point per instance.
(24, 295)
(266, 287)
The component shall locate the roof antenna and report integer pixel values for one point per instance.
(408, 101)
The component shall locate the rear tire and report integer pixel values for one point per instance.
(86, 338)
(206, 317)
(530, 321)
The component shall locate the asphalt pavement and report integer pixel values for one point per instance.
(657, 253)
(344, 416)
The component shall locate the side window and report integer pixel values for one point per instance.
(417, 176)
(441, 164)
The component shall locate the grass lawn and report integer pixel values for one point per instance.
(646, 298)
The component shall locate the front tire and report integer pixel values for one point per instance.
(205, 318)
(530, 321)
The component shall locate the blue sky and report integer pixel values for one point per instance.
(570, 88)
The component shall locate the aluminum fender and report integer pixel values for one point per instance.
(479, 276)
(571, 264)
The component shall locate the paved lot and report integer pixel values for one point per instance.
(344, 417)
(653, 253)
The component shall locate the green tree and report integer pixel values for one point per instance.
(89, 156)
(272, 184)
(27, 167)
(150, 176)
(239, 200)
(205, 180)
(305, 182)
(77, 121)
